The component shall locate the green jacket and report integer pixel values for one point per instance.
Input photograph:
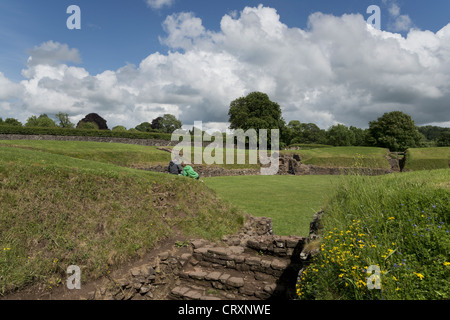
(189, 172)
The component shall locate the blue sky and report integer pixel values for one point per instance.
(117, 33)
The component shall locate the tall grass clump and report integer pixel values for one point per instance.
(398, 224)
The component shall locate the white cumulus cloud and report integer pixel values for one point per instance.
(158, 4)
(337, 70)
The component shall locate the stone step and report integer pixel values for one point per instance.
(231, 282)
(280, 246)
(190, 292)
(236, 258)
(195, 291)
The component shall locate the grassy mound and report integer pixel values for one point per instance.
(138, 156)
(126, 155)
(345, 157)
(58, 211)
(398, 223)
(427, 158)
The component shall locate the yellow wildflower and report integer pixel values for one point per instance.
(421, 276)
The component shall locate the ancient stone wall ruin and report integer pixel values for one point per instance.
(289, 164)
(253, 264)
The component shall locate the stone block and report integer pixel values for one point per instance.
(123, 283)
(147, 270)
(242, 267)
(180, 291)
(197, 275)
(278, 264)
(219, 250)
(144, 290)
(193, 295)
(163, 256)
(135, 272)
(224, 277)
(199, 243)
(253, 261)
(238, 258)
(248, 289)
(280, 251)
(213, 276)
(293, 242)
(265, 263)
(236, 282)
(270, 288)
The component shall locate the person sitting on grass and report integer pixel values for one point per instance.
(175, 167)
(188, 171)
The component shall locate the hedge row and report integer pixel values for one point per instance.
(309, 146)
(84, 133)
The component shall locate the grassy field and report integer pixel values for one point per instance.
(427, 158)
(138, 156)
(345, 157)
(79, 203)
(290, 201)
(397, 223)
(58, 210)
(125, 155)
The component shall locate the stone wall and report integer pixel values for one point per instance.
(289, 164)
(207, 171)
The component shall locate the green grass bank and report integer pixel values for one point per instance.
(397, 223)
(58, 211)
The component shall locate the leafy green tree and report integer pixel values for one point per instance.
(396, 131)
(64, 121)
(87, 126)
(311, 133)
(432, 133)
(360, 136)
(340, 135)
(169, 123)
(293, 131)
(43, 121)
(119, 129)
(444, 139)
(12, 122)
(156, 124)
(308, 133)
(144, 127)
(256, 111)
